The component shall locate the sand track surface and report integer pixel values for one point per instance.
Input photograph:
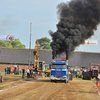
(43, 89)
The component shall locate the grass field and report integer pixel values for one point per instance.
(20, 75)
(12, 74)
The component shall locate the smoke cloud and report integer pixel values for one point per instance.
(77, 21)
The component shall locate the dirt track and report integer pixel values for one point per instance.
(43, 89)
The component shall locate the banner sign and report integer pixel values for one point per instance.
(91, 42)
(6, 38)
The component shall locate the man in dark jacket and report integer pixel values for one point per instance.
(30, 73)
(23, 72)
(5, 71)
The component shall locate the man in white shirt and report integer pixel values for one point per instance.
(20, 70)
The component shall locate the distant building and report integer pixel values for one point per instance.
(21, 57)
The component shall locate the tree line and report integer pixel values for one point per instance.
(44, 43)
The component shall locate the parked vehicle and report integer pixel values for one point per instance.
(13, 69)
(78, 71)
(47, 70)
(94, 69)
(92, 72)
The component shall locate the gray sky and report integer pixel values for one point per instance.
(16, 16)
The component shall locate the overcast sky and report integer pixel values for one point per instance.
(16, 16)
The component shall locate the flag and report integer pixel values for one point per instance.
(7, 38)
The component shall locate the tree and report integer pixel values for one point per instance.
(12, 44)
(44, 43)
(5, 44)
(17, 44)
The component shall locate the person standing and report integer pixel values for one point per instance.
(23, 72)
(28, 73)
(5, 71)
(20, 70)
(98, 78)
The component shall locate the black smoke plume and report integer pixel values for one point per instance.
(77, 21)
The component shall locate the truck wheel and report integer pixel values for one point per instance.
(48, 74)
(66, 81)
(55, 81)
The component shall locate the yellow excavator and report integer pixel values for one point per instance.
(38, 65)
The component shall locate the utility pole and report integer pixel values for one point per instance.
(30, 44)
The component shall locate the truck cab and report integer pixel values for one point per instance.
(59, 71)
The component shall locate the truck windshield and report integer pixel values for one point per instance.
(58, 66)
(95, 66)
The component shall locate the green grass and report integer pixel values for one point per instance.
(94, 79)
(3, 73)
(46, 77)
(12, 74)
(9, 83)
(77, 78)
(4, 84)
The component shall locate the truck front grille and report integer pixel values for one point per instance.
(58, 73)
